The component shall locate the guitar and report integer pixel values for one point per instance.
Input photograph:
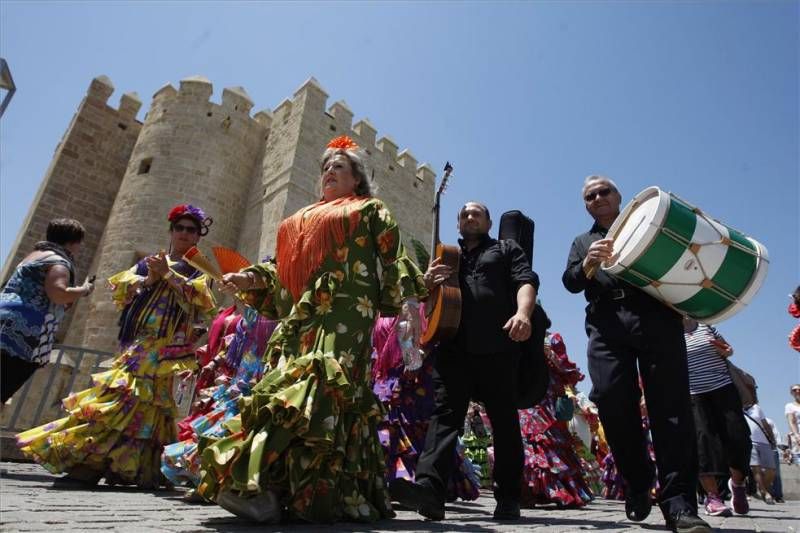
(443, 307)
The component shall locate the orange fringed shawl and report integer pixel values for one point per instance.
(308, 236)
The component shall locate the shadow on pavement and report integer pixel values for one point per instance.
(42, 478)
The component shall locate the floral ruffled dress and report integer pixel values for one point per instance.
(308, 431)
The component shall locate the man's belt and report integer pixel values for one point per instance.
(611, 295)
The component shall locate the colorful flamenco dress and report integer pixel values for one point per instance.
(220, 333)
(613, 482)
(240, 368)
(553, 470)
(117, 428)
(591, 445)
(478, 444)
(403, 382)
(308, 433)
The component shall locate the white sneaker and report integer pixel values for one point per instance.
(264, 507)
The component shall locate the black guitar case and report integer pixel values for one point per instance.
(534, 376)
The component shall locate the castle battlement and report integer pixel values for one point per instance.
(342, 115)
(236, 100)
(120, 177)
(264, 117)
(166, 91)
(283, 111)
(426, 173)
(100, 90)
(196, 88)
(365, 131)
(129, 105)
(194, 97)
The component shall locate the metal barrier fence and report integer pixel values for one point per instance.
(43, 392)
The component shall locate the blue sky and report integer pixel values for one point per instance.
(699, 98)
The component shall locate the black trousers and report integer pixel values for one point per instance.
(14, 373)
(623, 336)
(489, 378)
(723, 436)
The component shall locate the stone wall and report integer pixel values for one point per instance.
(84, 176)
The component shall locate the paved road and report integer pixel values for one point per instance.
(29, 501)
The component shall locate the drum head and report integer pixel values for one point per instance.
(635, 228)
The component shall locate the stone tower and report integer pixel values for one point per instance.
(189, 150)
(301, 127)
(121, 177)
(84, 176)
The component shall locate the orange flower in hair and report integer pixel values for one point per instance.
(343, 142)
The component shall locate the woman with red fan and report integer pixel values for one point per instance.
(307, 440)
(118, 428)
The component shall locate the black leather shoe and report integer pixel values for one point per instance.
(638, 505)
(506, 510)
(687, 522)
(418, 496)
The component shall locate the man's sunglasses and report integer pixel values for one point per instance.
(177, 228)
(605, 191)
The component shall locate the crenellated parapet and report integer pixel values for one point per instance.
(247, 167)
(193, 96)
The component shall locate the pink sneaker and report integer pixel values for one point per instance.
(716, 507)
(738, 498)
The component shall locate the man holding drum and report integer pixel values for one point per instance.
(625, 326)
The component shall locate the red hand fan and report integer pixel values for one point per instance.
(229, 260)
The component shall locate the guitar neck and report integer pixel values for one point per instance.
(435, 237)
(436, 208)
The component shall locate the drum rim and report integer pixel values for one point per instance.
(650, 235)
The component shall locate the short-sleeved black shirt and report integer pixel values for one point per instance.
(490, 276)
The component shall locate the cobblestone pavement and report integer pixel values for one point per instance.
(29, 501)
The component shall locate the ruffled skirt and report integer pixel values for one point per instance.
(118, 427)
(309, 434)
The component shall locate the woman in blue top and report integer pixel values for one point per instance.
(33, 301)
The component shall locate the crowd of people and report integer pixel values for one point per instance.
(315, 400)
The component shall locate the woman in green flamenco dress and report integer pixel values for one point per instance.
(117, 428)
(306, 443)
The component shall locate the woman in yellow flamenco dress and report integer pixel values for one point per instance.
(306, 442)
(117, 428)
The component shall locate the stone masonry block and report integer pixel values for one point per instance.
(196, 88)
(366, 131)
(406, 160)
(101, 88)
(387, 146)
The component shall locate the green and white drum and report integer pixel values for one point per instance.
(693, 263)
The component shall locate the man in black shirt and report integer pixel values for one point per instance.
(498, 293)
(626, 326)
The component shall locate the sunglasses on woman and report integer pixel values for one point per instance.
(177, 228)
(605, 191)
